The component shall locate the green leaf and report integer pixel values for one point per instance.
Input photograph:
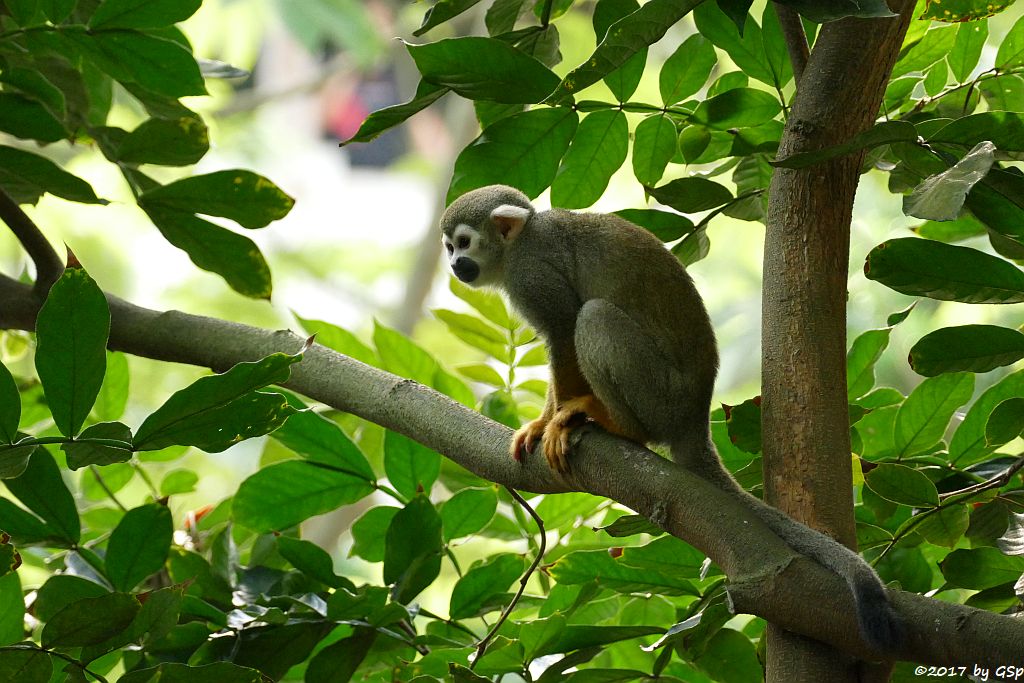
(981, 568)
(83, 454)
(668, 554)
(487, 303)
(113, 396)
(481, 372)
(884, 133)
(942, 271)
(924, 416)
(165, 142)
(625, 38)
(936, 44)
(10, 406)
(623, 80)
(442, 11)
(159, 66)
(12, 604)
(747, 52)
(693, 247)
(242, 196)
(339, 661)
(467, 512)
(61, 590)
(972, 348)
(177, 482)
(583, 567)
(902, 484)
(369, 531)
(384, 119)
(339, 339)
(597, 151)
(744, 423)
(138, 547)
(475, 332)
(412, 555)
(26, 177)
(311, 560)
(77, 624)
(1011, 50)
(483, 583)
(946, 526)
(963, 228)
(214, 394)
(523, 150)
(687, 69)
(665, 225)
(234, 257)
(691, 195)
(322, 441)
(1004, 129)
(217, 428)
(142, 13)
(42, 490)
(963, 10)
(172, 672)
(941, 197)
(481, 68)
(655, 142)
(25, 666)
(1005, 423)
(970, 40)
(860, 361)
(27, 119)
(630, 525)
(287, 493)
(71, 331)
(737, 108)
(410, 467)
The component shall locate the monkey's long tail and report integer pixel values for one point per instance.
(879, 622)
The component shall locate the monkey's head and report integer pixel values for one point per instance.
(478, 226)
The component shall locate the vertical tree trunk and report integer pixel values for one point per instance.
(805, 422)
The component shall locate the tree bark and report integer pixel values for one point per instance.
(766, 577)
(805, 424)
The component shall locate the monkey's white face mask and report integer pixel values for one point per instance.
(475, 255)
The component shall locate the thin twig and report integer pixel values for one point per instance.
(49, 264)
(482, 645)
(106, 489)
(996, 482)
(795, 37)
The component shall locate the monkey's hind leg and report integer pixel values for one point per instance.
(646, 394)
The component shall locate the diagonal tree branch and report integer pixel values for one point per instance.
(767, 578)
(48, 263)
(795, 37)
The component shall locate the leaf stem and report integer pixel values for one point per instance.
(106, 489)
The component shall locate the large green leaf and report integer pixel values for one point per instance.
(690, 195)
(26, 176)
(981, 568)
(687, 69)
(141, 13)
(737, 108)
(10, 406)
(665, 225)
(586, 566)
(747, 51)
(942, 271)
(218, 672)
(71, 331)
(973, 348)
(42, 490)
(933, 46)
(623, 80)
(311, 560)
(234, 257)
(225, 395)
(598, 149)
(25, 118)
(482, 583)
(25, 666)
(139, 545)
(625, 38)
(321, 440)
(441, 11)
(882, 133)
(1004, 129)
(81, 454)
(160, 66)
(923, 417)
(970, 40)
(484, 69)
(467, 512)
(412, 555)
(968, 444)
(411, 467)
(285, 494)
(1006, 422)
(384, 119)
(902, 484)
(243, 196)
(523, 150)
(339, 661)
(90, 621)
(369, 532)
(166, 142)
(655, 142)
(1011, 50)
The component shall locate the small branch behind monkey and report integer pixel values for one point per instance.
(796, 38)
(486, 640)
(49, 264)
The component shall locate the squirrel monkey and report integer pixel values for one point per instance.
(631, 348)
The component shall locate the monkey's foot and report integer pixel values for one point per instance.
(526, 437)
(567, 417)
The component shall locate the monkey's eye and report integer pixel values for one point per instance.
(449, 247)
(463, 242)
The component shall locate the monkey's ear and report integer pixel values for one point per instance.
(510, 219)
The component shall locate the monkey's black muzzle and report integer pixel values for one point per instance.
(466, 269)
